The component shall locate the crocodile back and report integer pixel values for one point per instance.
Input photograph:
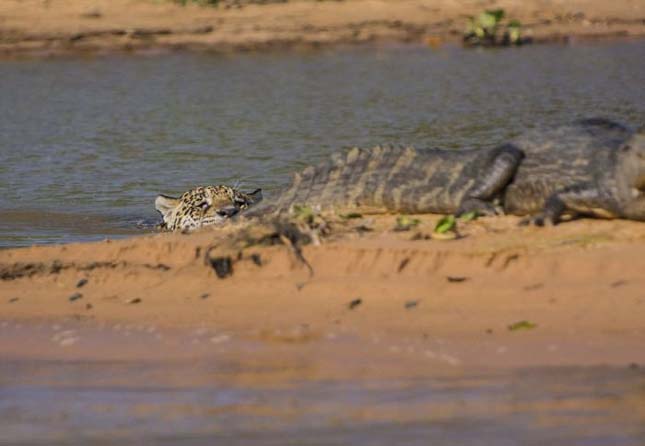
(388, 178)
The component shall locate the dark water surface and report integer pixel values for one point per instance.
(86, 144)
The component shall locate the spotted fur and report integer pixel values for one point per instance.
(203, 206)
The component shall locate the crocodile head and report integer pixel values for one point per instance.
(633, 153)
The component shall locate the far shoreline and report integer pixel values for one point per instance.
(286, 48)
(90, 28)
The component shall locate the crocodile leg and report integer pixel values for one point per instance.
(492, 182)
(574, 200)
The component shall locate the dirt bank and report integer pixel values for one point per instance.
(578, 286)
(46, 27)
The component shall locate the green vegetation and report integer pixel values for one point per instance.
(446, 227)
(522, 325)
(304, 213)
(514, 30)
(489, 29)
(447, 223)
(405, 223)
(468, 216)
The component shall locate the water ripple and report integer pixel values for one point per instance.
(104, 136)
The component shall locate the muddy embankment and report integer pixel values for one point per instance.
(499, 296)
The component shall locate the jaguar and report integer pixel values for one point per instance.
(203, 206)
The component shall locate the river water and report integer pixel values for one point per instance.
(527, 407)
(87, 143)
(142, 391)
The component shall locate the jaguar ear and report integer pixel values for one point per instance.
(245, 200)
(165, 205)
(256, 196)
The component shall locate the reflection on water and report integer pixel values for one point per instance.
(75, 383)
(104, 136)
(567, 406)
(25, 227)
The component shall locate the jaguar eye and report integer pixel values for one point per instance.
(204, 205)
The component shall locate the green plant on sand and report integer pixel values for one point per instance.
(487, 29)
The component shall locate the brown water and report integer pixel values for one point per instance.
(185, 388)
(86, 144)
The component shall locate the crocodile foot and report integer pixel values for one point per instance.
(480, 207)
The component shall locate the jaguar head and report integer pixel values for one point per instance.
(203, 206)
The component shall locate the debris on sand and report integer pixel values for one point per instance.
(223, 266)
(411, 304)
(75, 296)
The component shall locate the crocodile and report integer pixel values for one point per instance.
(592, 167)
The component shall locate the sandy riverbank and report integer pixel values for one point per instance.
(47, 27)
(433, 303)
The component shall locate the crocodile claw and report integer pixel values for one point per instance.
(481, 207)
(540, 220)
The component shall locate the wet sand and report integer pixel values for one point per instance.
(514, 333)
(450, 301)
(42, 28)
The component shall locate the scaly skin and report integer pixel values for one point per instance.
(592, 167)
(401, 179)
